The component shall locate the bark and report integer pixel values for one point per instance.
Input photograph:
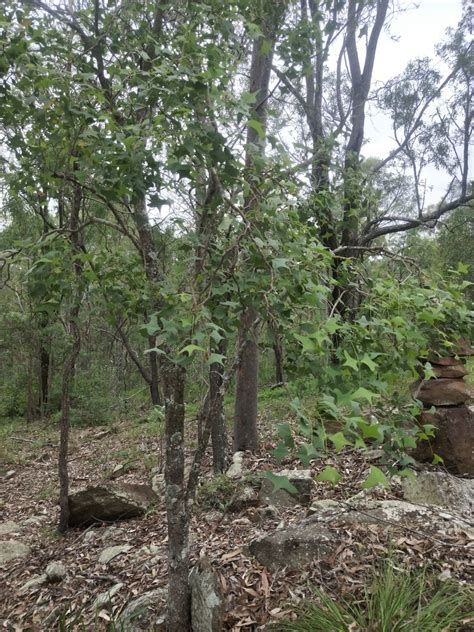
(245, 414)
(246, 392)
(44, 377)
(361, 80)
(154, 382)
(70, 364)
(173, 378)
(216, 413)
(345, 295)
(176, 510)
(278, 353)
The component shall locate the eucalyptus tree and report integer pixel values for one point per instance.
(324, 80)
(269, 16)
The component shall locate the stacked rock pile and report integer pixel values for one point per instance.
(448, 393)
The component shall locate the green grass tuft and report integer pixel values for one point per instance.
(397, 601)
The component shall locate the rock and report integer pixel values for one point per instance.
(454, 440)
(34, 583)
(244, 498)
(144, 613)
(323, 506)
(207, 603)
(112, 501)
(440, 488)
(158, 484)
(119, 470)
(10, 474)
(108, 554)
(318, 537)
(36, 520)
(442, 392)
(106, 597)
(450, 370)
(235, 470)
(294, 546)
(110, 534)
(463, 348)
(300, 479)
(374, 454)
(12, 550)
(55, 571)
(9, 527)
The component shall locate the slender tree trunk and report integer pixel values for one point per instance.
(245, 415)
(154, 383)
(173, 378)
(68, 377)
(216, 412)
(246, 392)
(44, 377)
(176, 509)
(70, 364)
(278, 353)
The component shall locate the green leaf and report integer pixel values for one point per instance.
(155, 350)
(375, 477)
(407, 473)
(428, 371)
(370, 431)
(367, 360)
(189, 349)
(351, 362)
(280, 482)
(363, 393)
(339, 440)
(286, 434)
(152, 326)
(463, 268)
(279, 263)
(307, 453)
(437, 460)
(258, 127)
(280, 452)
(216, 358)
(308, 344)
(329, 474)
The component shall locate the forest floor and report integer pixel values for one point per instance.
(254, 594)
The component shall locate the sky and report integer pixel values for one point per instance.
(417, 30)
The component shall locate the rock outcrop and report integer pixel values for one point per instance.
(301, 480)
(11, 550)
(112, 501)
(318, 537)
(453, 420)
(440, 489)
(144, 613)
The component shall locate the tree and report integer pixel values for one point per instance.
(269, 18)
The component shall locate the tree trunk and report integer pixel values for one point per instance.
(70, 363)
(154, 383)
(44, 377)
(216, 412)
(176, 511)
(68, 377)
(245, 415)
(246, 392)
(173, 378)
(278, 353)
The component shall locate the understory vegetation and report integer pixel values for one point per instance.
(200, 255)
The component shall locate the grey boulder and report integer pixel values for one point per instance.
(112, 501)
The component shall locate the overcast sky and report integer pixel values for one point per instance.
(417, 30)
